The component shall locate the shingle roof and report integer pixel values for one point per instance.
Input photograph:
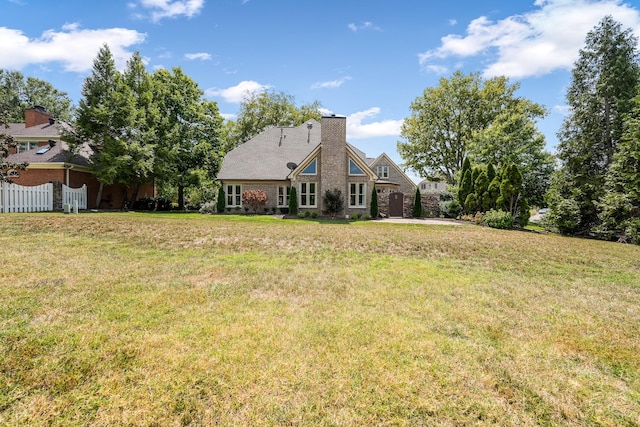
(18, 130)
(59, 153)
(265, 157)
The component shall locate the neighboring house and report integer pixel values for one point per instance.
(427, 186)
(313, 157)
(40, 143)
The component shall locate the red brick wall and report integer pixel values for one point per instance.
(112, 195)
(34, 117)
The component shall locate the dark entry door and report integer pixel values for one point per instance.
(396, 204)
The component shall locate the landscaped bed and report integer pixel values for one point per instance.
(176, 319)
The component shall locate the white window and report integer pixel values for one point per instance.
(308, 194)
(283, 195)
(26, 146)
(357, 195)
(234, 195)
(383, 171)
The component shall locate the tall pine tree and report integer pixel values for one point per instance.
(604, 81)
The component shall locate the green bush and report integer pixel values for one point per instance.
(355, 216)
(208, 208)
(450, 208)
(498, 219)
(301, 214)
(221, 203)
(367, 217)
(314, 214)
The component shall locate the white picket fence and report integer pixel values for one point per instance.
(39, 198)
(71, 195)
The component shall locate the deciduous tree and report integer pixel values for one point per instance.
(466, 116)
(18, 94)
(259, 111)
(6, 142)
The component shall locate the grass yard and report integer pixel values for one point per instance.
(169, 319)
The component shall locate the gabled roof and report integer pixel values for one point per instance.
(384, 159)
(265, 157)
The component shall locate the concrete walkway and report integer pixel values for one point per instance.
(423, 221)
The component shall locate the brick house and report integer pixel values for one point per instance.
(40, 143)
(313, 157)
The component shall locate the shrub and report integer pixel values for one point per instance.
(498, 219)
(307, 214)
(374, 212)
(450, 208)
(293, 201)
(314, 214)
(356, 216)
(208, 208)
(254, 199)
(221, 203)
(367, 217)
(333, 202)
(300, 214)
(477, 218)
(417, 204)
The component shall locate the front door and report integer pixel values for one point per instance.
(396, 204)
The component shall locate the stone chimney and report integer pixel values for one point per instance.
(36, 116)
(333, 157)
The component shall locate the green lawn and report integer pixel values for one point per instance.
(170, 319)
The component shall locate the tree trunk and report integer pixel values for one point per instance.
(134, 194)
(99, 196)
(181, 197)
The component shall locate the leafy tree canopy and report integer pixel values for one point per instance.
(468, 116)
(18, 94)
(260, 111)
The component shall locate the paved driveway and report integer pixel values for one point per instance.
(425, 221)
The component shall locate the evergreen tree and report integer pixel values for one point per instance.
(620, 206)
(221, 203)
(465, 188)
(417, 204)
(374, 203)
(481, 190)
(293, 201)
(604, 81)
(104, 115)
(512, 198)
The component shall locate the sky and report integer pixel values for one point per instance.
(363, 59)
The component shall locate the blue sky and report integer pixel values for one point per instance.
(364, 59)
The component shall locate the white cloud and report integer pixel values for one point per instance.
(534, 43)
(200, 55)
(437, 69)
(358, 130)
(452, 22)
(330, 84)
(236, 94)
(172, 8)
(73, 47)
(363, 26)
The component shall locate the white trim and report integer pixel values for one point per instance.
(286, 191)
(235, 195)
(308, 194)
(359, 196)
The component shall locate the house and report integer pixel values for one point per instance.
(40, 143)
(314, 158)
(430, 186)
